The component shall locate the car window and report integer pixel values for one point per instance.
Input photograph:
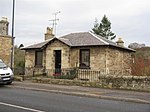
(2, 65)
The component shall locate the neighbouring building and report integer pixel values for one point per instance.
(5, 41)
(83, 50)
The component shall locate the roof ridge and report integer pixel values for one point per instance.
(50, 39)
(65, 39)
(79, 32)
(99, 38)
(107, 39)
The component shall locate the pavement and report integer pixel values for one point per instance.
(108, 94)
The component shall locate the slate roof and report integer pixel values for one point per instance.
(78, 40)
(37, 46)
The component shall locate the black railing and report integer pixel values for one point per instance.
(70, 73)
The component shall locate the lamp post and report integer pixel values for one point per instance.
(12, 38)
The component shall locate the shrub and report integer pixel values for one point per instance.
(71, 74)
(140, 66)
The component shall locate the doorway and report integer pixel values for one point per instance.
(57, 61)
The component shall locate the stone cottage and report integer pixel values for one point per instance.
(5, 41)
(83, 50)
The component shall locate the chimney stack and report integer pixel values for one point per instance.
(49, 33)
(120, 42)
(4, 26)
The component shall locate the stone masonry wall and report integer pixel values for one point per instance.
(109, 60)
(30, 58)
(5, 48)
(110, 81)
(74, 57)
(30, 63)
(97, 57)
(118, 61)
(105, 59)
(65, 55)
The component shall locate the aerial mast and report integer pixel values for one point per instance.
(54, 21)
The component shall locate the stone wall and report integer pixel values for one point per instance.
(30, 69)
(74, 57)
(141, 83)
(5, 48)
(29, 58)
(105, 59)
(97, 57)
(125, 82)
(65, 55)
(110, 60)
(118, 61)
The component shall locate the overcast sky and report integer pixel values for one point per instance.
(130, 18)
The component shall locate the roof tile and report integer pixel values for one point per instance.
(79, 39)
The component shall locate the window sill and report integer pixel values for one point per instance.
(38, 66)
(84, 67)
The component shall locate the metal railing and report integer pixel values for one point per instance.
(70, 73)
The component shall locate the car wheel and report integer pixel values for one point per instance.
(8, 83)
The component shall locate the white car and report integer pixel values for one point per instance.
(6, 74)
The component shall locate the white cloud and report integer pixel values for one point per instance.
(129, 18)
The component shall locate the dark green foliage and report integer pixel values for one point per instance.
(103, 28)
(19, 55)
(21, 45)
(19, 61)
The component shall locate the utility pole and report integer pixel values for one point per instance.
(55, 21)
(12, 38)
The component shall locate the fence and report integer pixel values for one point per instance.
(70, 73)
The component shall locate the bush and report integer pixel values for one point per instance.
(147, 70)
(71, 74)
(141, 66)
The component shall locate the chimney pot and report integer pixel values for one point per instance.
(49, 33)
(4, 26)
(120, 42)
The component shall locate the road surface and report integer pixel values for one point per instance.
(21, 100)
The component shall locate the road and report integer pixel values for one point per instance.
(21, 100)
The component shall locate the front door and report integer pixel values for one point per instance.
(57, 61)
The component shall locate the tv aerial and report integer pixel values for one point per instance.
(54, 21)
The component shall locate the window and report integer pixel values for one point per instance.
(38, 58)
(84, 58)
